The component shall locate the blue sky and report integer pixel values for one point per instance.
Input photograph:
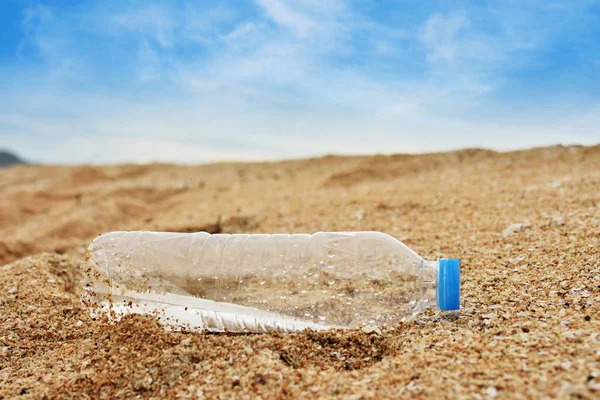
(196, 81)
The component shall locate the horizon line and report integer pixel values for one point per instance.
(26, 162)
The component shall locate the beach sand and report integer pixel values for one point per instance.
(526, 226)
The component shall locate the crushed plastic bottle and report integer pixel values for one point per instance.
(262, 283)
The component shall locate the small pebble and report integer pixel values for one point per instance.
(512, 229)
(558, 221)
(371, 330)
(491, 391)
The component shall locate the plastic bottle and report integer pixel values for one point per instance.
(260, 283)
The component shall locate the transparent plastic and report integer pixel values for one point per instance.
(258, 282)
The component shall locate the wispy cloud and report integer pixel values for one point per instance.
(439, 36)
(152, 21)
(283, 15)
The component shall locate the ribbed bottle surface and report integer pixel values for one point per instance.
(324, 279)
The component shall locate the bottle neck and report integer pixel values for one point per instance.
(427, 281)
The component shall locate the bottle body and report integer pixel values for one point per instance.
(256, 282)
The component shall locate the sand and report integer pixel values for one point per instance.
(526, 226)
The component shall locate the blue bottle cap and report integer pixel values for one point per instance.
(448, 284)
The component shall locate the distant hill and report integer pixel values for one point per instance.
(7, 158)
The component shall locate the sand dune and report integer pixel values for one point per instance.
(531, 293)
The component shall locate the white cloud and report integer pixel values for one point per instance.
(240, 33)
(34, 20)
(284, 15)
(439, 36)
(470, 51)
(152, 21)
